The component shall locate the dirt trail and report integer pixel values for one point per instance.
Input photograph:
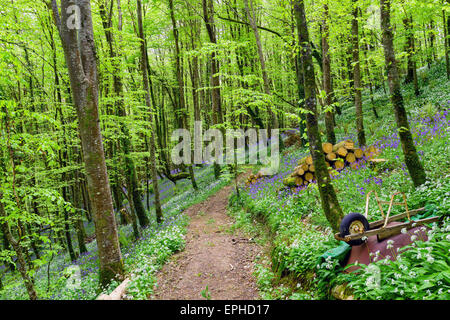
(213, 257)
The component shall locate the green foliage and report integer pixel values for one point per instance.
(206, 294)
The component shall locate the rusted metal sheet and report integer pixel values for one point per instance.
(362, 252)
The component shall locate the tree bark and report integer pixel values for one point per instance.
(357, 78)
(125, 141)
(80, 55)
(412, 161)
(144, 64)
(251, 18)
(446, 24)
(326, 62)
(330, 204)
(19, 253)
(208, 16)
(182, 112)
(411, 75)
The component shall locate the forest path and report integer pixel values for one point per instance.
(213, 257)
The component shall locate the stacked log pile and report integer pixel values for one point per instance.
(337, 157)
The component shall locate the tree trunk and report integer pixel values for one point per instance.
(81, 232)
(251, 18)
(144, 64)
(19, 253)
(326, 62)
(357, 78)
(330, 204)
(446, 24)
(411, 75)
(413, 164)
(181, 116)
(80, 55)
(130, 168)
(208, 15)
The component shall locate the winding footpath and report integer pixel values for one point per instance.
(213, 257)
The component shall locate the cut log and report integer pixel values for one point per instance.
(338, 145)
(339, 164)
(118, 293)
(309, 160)
(299, 181)
(327, 147)
(358, 153)
(331, 156)
(309, 176)
(294, 173)
(311, 168)
(304, 167)
(300, 172)
(377, 160)
(289, 182)
(339, 149)
(349, 145)
(350, 158)
(342, 152)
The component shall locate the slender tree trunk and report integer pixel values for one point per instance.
(446, 24)
(130, 168)
(217, 118)
(144, 64)
(251, 18)
(369, 76)
(357, 79)
(326, 62)
(79, 50)
(181, 116)
(411, 75)
(413, 164)
(432, 40)
(81, 232)
(330, 204)
(6, 245)
(19, 253)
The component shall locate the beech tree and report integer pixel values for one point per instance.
(412, 161)
(80, 54)
(330, 204)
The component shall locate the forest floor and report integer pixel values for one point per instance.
(216, 263)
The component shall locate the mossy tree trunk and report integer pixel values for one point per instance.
(19, 253)
(446, 23)
(411, 75)
(144, 64)
(208, 16)
(330, 204)
(181, 115)
(80, 55)
(357, 88)
(125, 141)
(412, 161)
(327, 86)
